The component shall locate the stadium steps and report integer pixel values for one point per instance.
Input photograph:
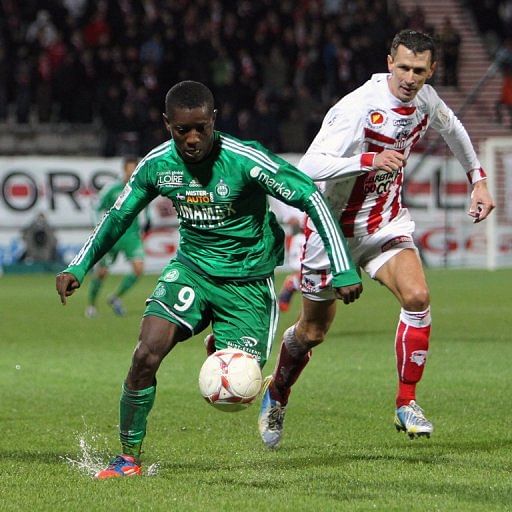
(479, 115)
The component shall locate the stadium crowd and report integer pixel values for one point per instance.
(274, 67)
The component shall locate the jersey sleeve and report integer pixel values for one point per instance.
(446, 123)
(336, 150)
(288, 184)
(137, 193)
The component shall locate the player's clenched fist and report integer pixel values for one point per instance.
(66, 284)
(389, 160)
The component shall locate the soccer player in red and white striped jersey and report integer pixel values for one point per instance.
(359, 155)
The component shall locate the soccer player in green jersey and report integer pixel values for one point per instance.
(130, 244)
(230, 244)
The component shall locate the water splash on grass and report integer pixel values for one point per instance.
(91, 458)
(94, 454)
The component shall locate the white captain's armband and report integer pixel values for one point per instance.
(122, 196)
(476, 175)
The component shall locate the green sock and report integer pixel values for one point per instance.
(134, 408)
(127, 282)
(94, 289)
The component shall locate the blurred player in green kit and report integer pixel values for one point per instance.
(230, 244)
(130, 244)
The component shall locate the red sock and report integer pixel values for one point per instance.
(411, 346)
(287, 371)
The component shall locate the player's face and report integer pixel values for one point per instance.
(192, 131)
(409, 72)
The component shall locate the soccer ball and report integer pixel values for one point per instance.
(230, 379)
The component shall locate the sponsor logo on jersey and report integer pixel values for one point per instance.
(403, 239)
(402, 122)
(194, 183)
(222, 189)
(419, 357)
(204, 216)
(377, 118)
(169, 178)
(247, 341)
(272, 183)
(249, 350)
(172, 276)
(199, 196)
(379, 182)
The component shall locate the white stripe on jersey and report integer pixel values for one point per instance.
(339, 254)
(274, 316)
(171, 313)
(80, 256)
(251, 153)
(159, 150)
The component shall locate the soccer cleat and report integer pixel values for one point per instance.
(122, 465)
(271, 418)
(411, 420)
(209, 343)
(117, 305)
(91, 312)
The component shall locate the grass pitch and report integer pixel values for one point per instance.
(60, 376)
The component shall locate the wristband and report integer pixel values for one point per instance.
(476, 175)
(367, 159)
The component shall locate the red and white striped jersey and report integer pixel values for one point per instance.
(364, 123)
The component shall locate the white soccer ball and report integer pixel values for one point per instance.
(230, 379)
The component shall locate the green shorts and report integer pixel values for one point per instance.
(243, 315)
(130, 244)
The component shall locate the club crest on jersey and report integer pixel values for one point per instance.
(171, 276)
(222, 189)
(159, 291)
(377, 118)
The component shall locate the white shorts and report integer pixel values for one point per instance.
(368, 252)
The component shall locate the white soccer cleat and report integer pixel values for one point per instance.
(271, 418)
(411, 420)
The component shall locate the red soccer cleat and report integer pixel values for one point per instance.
(122, 465)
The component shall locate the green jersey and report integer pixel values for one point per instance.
(227, 229)
(108, 198)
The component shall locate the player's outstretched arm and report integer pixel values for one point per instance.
(66, 284)
(482, 203)
(349, 293)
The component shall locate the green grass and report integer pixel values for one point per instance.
(60, 378)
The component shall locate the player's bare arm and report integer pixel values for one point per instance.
(389, 160)
(66, 284)
(482, 203)
(349, 293)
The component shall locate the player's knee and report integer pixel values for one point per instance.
(417, 299)
(311, 334)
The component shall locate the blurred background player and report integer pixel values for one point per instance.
(360, 154)
(292, 221)
(230, 245)
(130, 245)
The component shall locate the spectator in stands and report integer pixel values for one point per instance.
(279, 48)
(504, 61)
(449, 42)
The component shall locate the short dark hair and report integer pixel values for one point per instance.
(188, 94)
(417, 42)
